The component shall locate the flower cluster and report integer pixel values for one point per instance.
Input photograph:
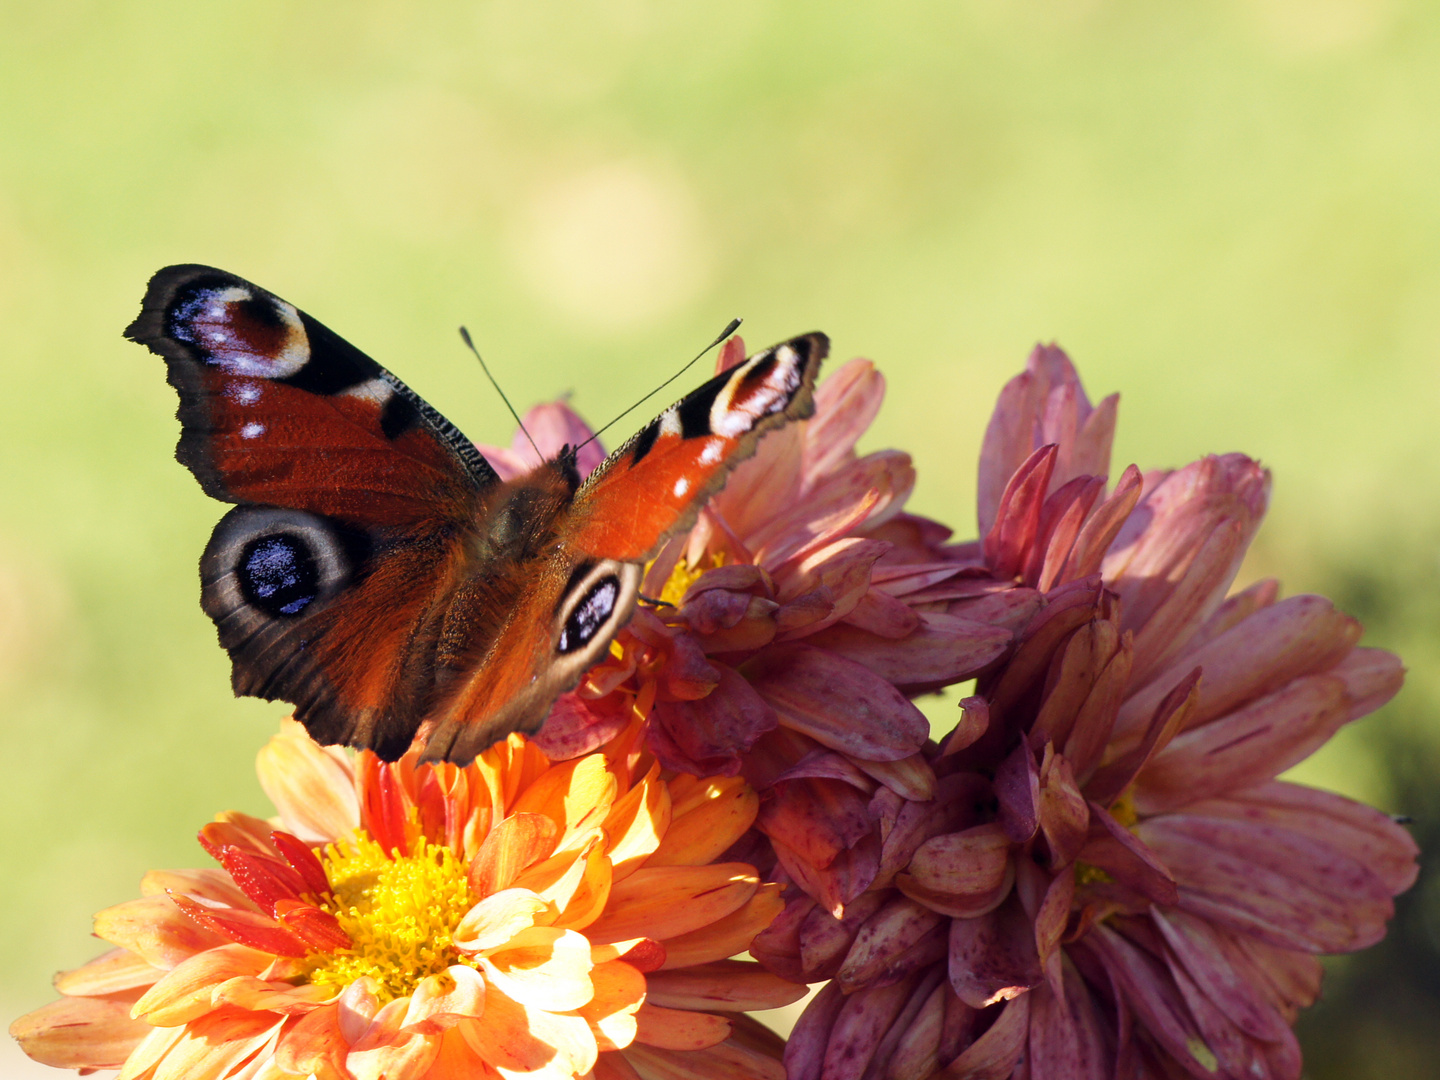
(1110, 881)
(1095, 874)
(511, 918)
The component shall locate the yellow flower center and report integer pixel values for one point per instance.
(400, 913)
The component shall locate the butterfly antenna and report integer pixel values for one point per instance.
(465, 337)
(733, 325)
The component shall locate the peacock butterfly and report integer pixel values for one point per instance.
(375, 571)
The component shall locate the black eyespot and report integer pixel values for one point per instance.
(278, 574)
(590, 614)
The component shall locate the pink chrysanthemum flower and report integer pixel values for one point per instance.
(1111, 881)
(799, 616)
(511, 918)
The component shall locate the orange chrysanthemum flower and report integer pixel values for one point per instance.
(511, 918)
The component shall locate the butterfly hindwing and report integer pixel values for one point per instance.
(327, 581)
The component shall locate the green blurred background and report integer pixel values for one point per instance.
(1229, 211)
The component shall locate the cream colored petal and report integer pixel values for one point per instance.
(110, 973)
(186, 993)
(498, 918)
(441, 1001)
(542, 968)
(277, 997)
(314, 792)
(583, 902)
(154, 929)
(151, 1049)
(213, 1045)
(79, 1033)
(385, 1052)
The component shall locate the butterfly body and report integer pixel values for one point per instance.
(376, 571)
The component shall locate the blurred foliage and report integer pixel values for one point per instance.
(1226, 210)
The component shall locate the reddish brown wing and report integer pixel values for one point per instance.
(646, 491)
(329, 579)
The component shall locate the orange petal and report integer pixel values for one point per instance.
(110, 973)
(582, 902)
(716, 814)
(667, 901)
(80, 1033)
(637, 822)
(516, 843)
(542, 967)
(619, 990)
(385, 1052)
(314, 792)
(678, 1029)
(576, 795)
(457, 1061)
(155, 930)
(725, 985)
(643, 954)
(728, 936)
(550, 876)
(213, 1045)
(315, 1046)
(496, 919)
(152, 1048)
(542, 1045)
(441, 1001)
(185, 993)
(614, 1067)
(278, 997)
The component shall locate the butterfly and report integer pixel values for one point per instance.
(375, 571)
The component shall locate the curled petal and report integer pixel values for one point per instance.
(993, 1055)
(497, 918)
(993, 957)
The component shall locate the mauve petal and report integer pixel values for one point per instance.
(1061, 519)
(845, 405)
(945, 649)
(1011, 609)
(816, 818)
(993, 957)
(835, 885)
(860, 1024)
(1106, 784)
(1181, 548)
(1071, 676)
(905, 579)
(883, 615)
(1157, 1004)
(1117, 851)
(805, 1049)
(778, 945)
(1017, 787)
(711, 733)
(917, 1051)
(1095, 722)
(1372, 677)
(1342, 825)
(866, 491)
(554, 425)
(1064, 817)
(911, 777)
(1245, 748)
(1299, 636)
(578, 725)
(884, 936)
(80, 1033)
(1066, 609)
(972, 863)
(758, 488)
(994, 1054)
(838, 702)
(1017, 520)
(1210, 959)
(842, 568)
(508, 464)
(1233, 1053)
(1291, 978)
(1279, 886)
(1097, 534)
(824, 941)
(1067, 1037)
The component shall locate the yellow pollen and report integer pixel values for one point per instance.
(682, 577)
(1123, 810)
(1085, 874)
(1202, 1053)
(400, 913)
